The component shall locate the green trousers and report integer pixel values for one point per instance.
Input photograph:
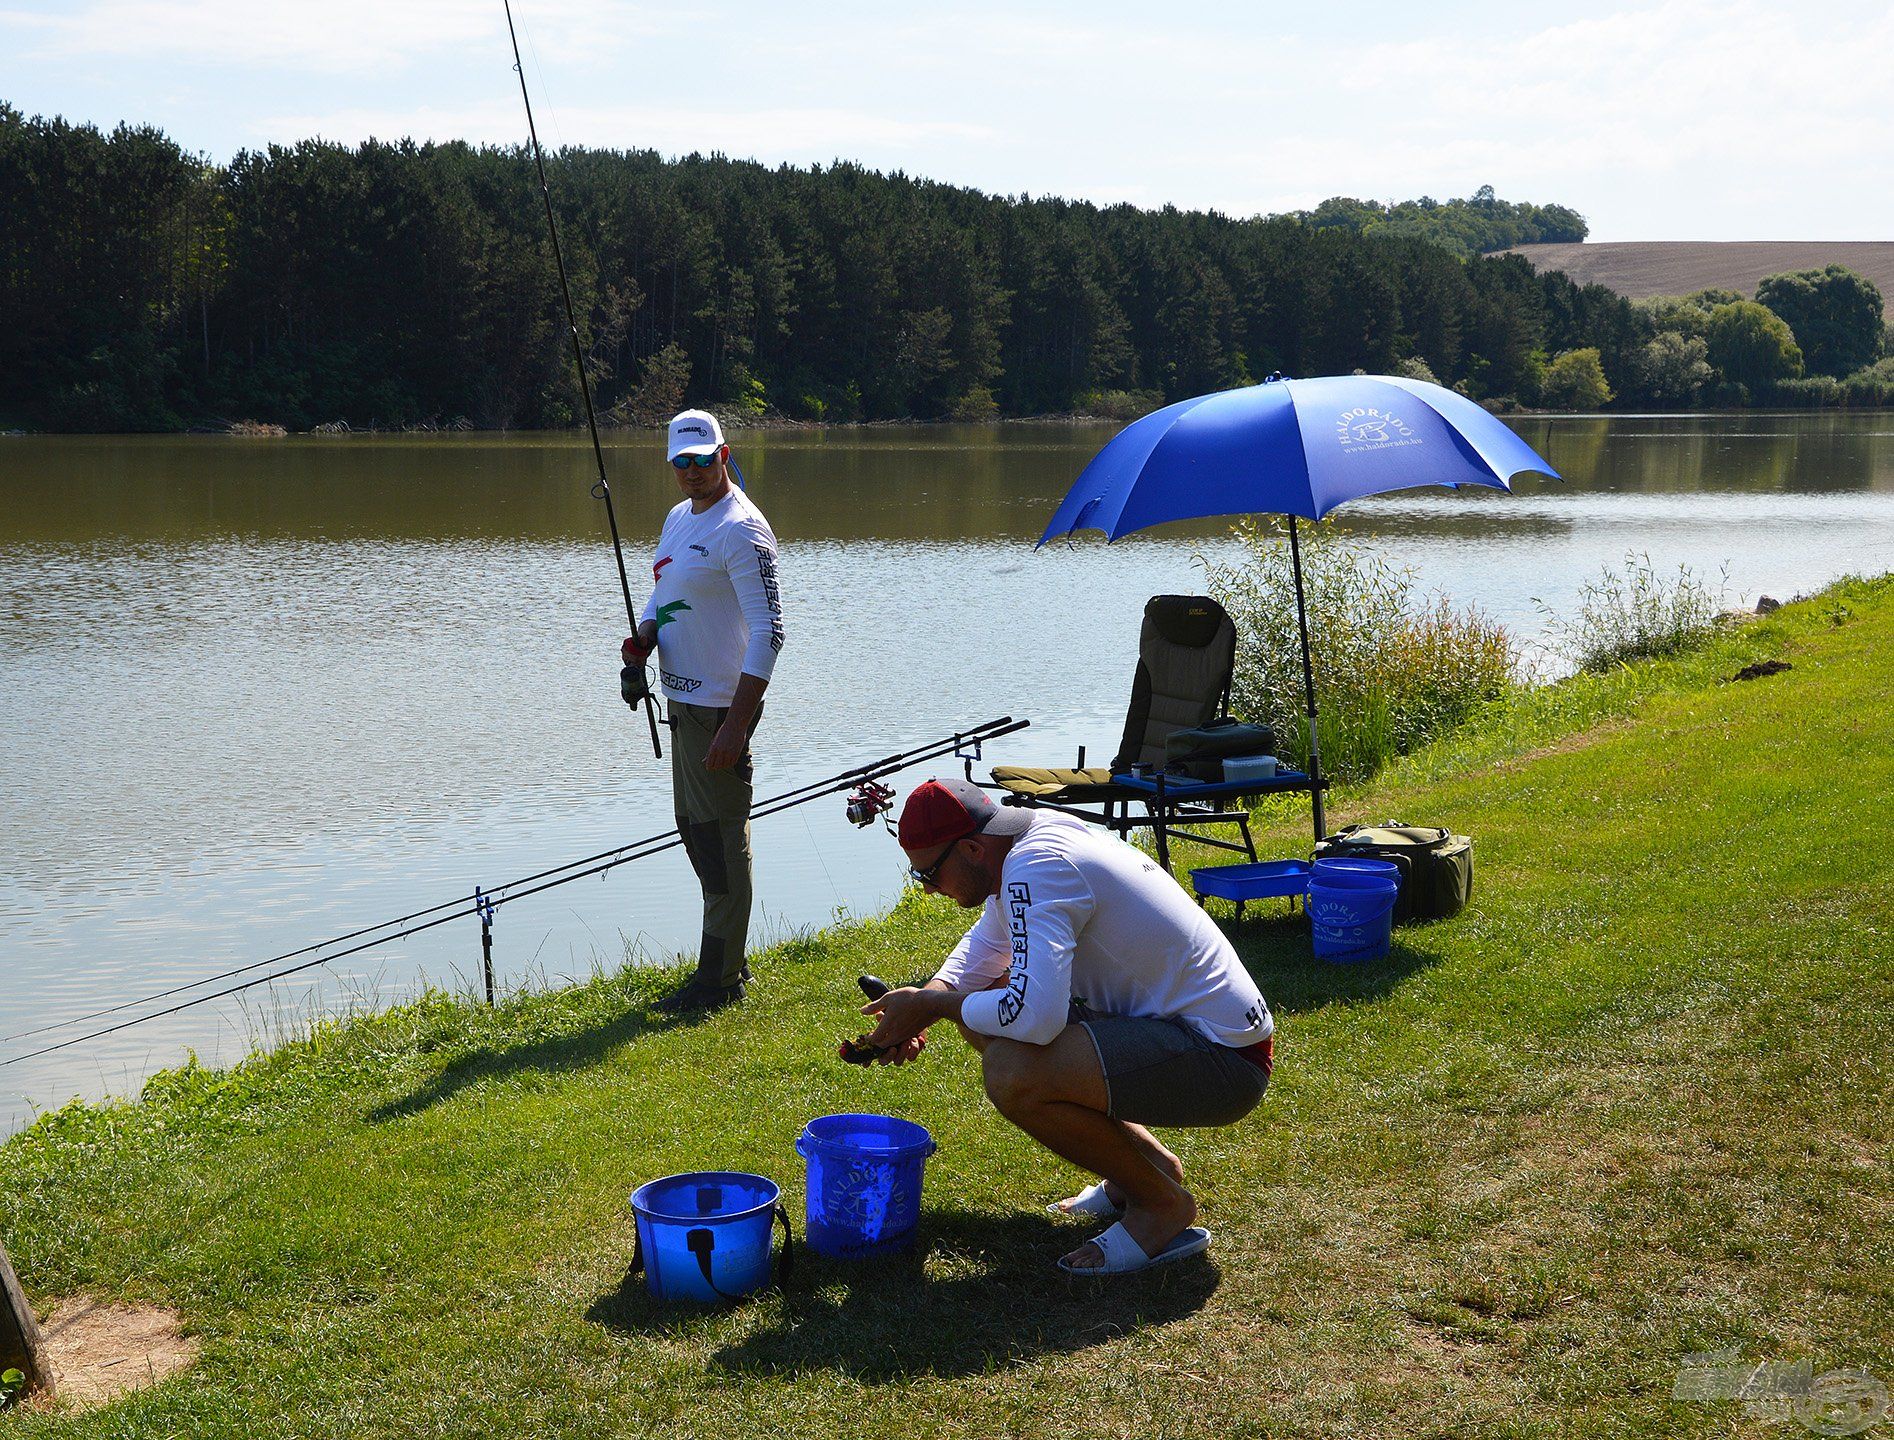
(713, 818)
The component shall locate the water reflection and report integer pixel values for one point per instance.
(941, 483)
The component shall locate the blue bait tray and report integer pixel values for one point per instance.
(1270, 879)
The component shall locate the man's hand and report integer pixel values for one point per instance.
(904, 1014)
(733, 736)
(726, 747)
(909, 1049)
(633, 684)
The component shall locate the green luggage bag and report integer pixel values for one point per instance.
(1436, 865)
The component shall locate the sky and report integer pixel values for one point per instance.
(1677, 120)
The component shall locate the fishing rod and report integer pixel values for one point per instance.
(481, 903)
(860, 778)
(601, 489)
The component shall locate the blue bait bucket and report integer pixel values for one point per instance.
(864, 1183)
(1351, 915)
(705, 1235)
(1337, 869)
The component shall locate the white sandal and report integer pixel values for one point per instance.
(1091, 1201)
(1123, 1255)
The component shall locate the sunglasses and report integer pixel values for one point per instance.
(932, 872)
(702, 462)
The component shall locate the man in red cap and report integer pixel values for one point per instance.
(1101, 999)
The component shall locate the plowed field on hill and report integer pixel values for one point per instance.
(1638, 268)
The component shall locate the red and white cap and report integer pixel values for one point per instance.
(941, 810)
(694, 432)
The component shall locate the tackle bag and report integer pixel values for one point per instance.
(1436, 865)
(1199, 753)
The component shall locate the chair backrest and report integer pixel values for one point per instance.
(1186, 658)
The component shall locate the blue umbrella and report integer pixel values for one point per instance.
(1294, 448)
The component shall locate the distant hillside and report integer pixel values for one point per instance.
(1637, 268)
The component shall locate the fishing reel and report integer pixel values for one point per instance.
(869, 802)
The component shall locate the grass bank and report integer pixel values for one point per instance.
(1634, 1104)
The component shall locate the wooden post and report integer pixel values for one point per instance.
(20, 1345)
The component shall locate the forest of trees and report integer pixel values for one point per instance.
(145, 288)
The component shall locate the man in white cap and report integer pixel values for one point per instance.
(715, 622)
(1101, 1000)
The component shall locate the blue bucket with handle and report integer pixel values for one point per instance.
(706, 1235)
(1351, 915)
(1339, 868)
(864, 1183)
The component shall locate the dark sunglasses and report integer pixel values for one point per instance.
(702, 462)
(929, 875)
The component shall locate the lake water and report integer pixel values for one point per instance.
(254, 693)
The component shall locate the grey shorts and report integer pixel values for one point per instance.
(1161, 1072)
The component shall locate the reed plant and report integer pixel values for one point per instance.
(1636, 614)
(1394, 666)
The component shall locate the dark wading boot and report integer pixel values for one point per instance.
(694, 997)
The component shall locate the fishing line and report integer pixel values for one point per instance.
(601, 488)
(816, 850)
(601, 863)
(988, 730)
(550, 110)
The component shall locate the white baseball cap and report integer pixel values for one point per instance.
(694, 432)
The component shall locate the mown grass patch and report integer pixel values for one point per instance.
(1632, 1105)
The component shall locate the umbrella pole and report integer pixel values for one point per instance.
(1308, 682)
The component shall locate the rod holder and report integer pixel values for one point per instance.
(484, 904)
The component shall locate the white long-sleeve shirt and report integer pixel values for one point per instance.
(1082, 914)
(715, 599)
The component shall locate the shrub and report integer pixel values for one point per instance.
(1393, 667)
(1414, 367)
(1674, 367)
(1575, 381)
(976, 404)
(1871, 388)
(1751, 345)
(1125, 405)
(1635, 616)
(743, 392)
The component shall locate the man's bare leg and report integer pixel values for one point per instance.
(1056, 1093)
(1155, 1151)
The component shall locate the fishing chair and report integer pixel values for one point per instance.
(1186, 658)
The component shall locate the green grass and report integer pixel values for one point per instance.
(1633, 1104)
